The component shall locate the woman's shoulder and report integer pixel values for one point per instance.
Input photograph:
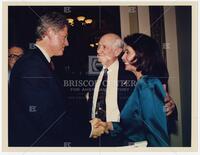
(147, 80)
(150, 82)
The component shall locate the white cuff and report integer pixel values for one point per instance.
(91, 131)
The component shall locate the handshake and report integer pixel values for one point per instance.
(99, 127)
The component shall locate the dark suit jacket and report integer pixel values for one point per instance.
(38, 113)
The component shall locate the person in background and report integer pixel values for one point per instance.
(14, 53)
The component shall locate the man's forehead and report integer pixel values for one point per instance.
(106, 40)
(109, 38)
(15, 50)
(64, 30)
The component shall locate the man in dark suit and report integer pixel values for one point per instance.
(38, 113)
(117, 88)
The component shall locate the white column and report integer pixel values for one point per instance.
(173, 66)
(144, 20)
(124, 21)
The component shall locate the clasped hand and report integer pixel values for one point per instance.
(99, 127)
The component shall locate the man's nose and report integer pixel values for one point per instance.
(66, 43)
(99, 50)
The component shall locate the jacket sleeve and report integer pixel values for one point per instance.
(154, 117)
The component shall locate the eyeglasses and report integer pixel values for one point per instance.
(14, 56)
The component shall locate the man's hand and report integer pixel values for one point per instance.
(169, 102)
(99, 127)
(169, 105)
(109, 126)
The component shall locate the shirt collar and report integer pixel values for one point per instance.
(44, 53)
(112, 66)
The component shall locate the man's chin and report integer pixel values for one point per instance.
(127, 68)
(99, 60)
(60, 53)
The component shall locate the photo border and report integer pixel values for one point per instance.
(194, 90)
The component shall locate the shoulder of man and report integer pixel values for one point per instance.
(30, 61)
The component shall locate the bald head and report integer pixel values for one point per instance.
(113, 39)
(14, 53)
(110, 47)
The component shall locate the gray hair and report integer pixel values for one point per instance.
(54, 20)
(118, 43)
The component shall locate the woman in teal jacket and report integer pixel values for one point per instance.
(143, 118)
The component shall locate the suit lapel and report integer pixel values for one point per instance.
(41, 55)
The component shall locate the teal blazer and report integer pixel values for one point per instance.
(143, 117)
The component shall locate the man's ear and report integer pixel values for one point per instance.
(118, 51)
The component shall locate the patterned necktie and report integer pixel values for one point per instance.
(100, 111)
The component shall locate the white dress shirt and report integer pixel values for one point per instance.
(44, 53)
(112, 109)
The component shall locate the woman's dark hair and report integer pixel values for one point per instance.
(148, 57)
